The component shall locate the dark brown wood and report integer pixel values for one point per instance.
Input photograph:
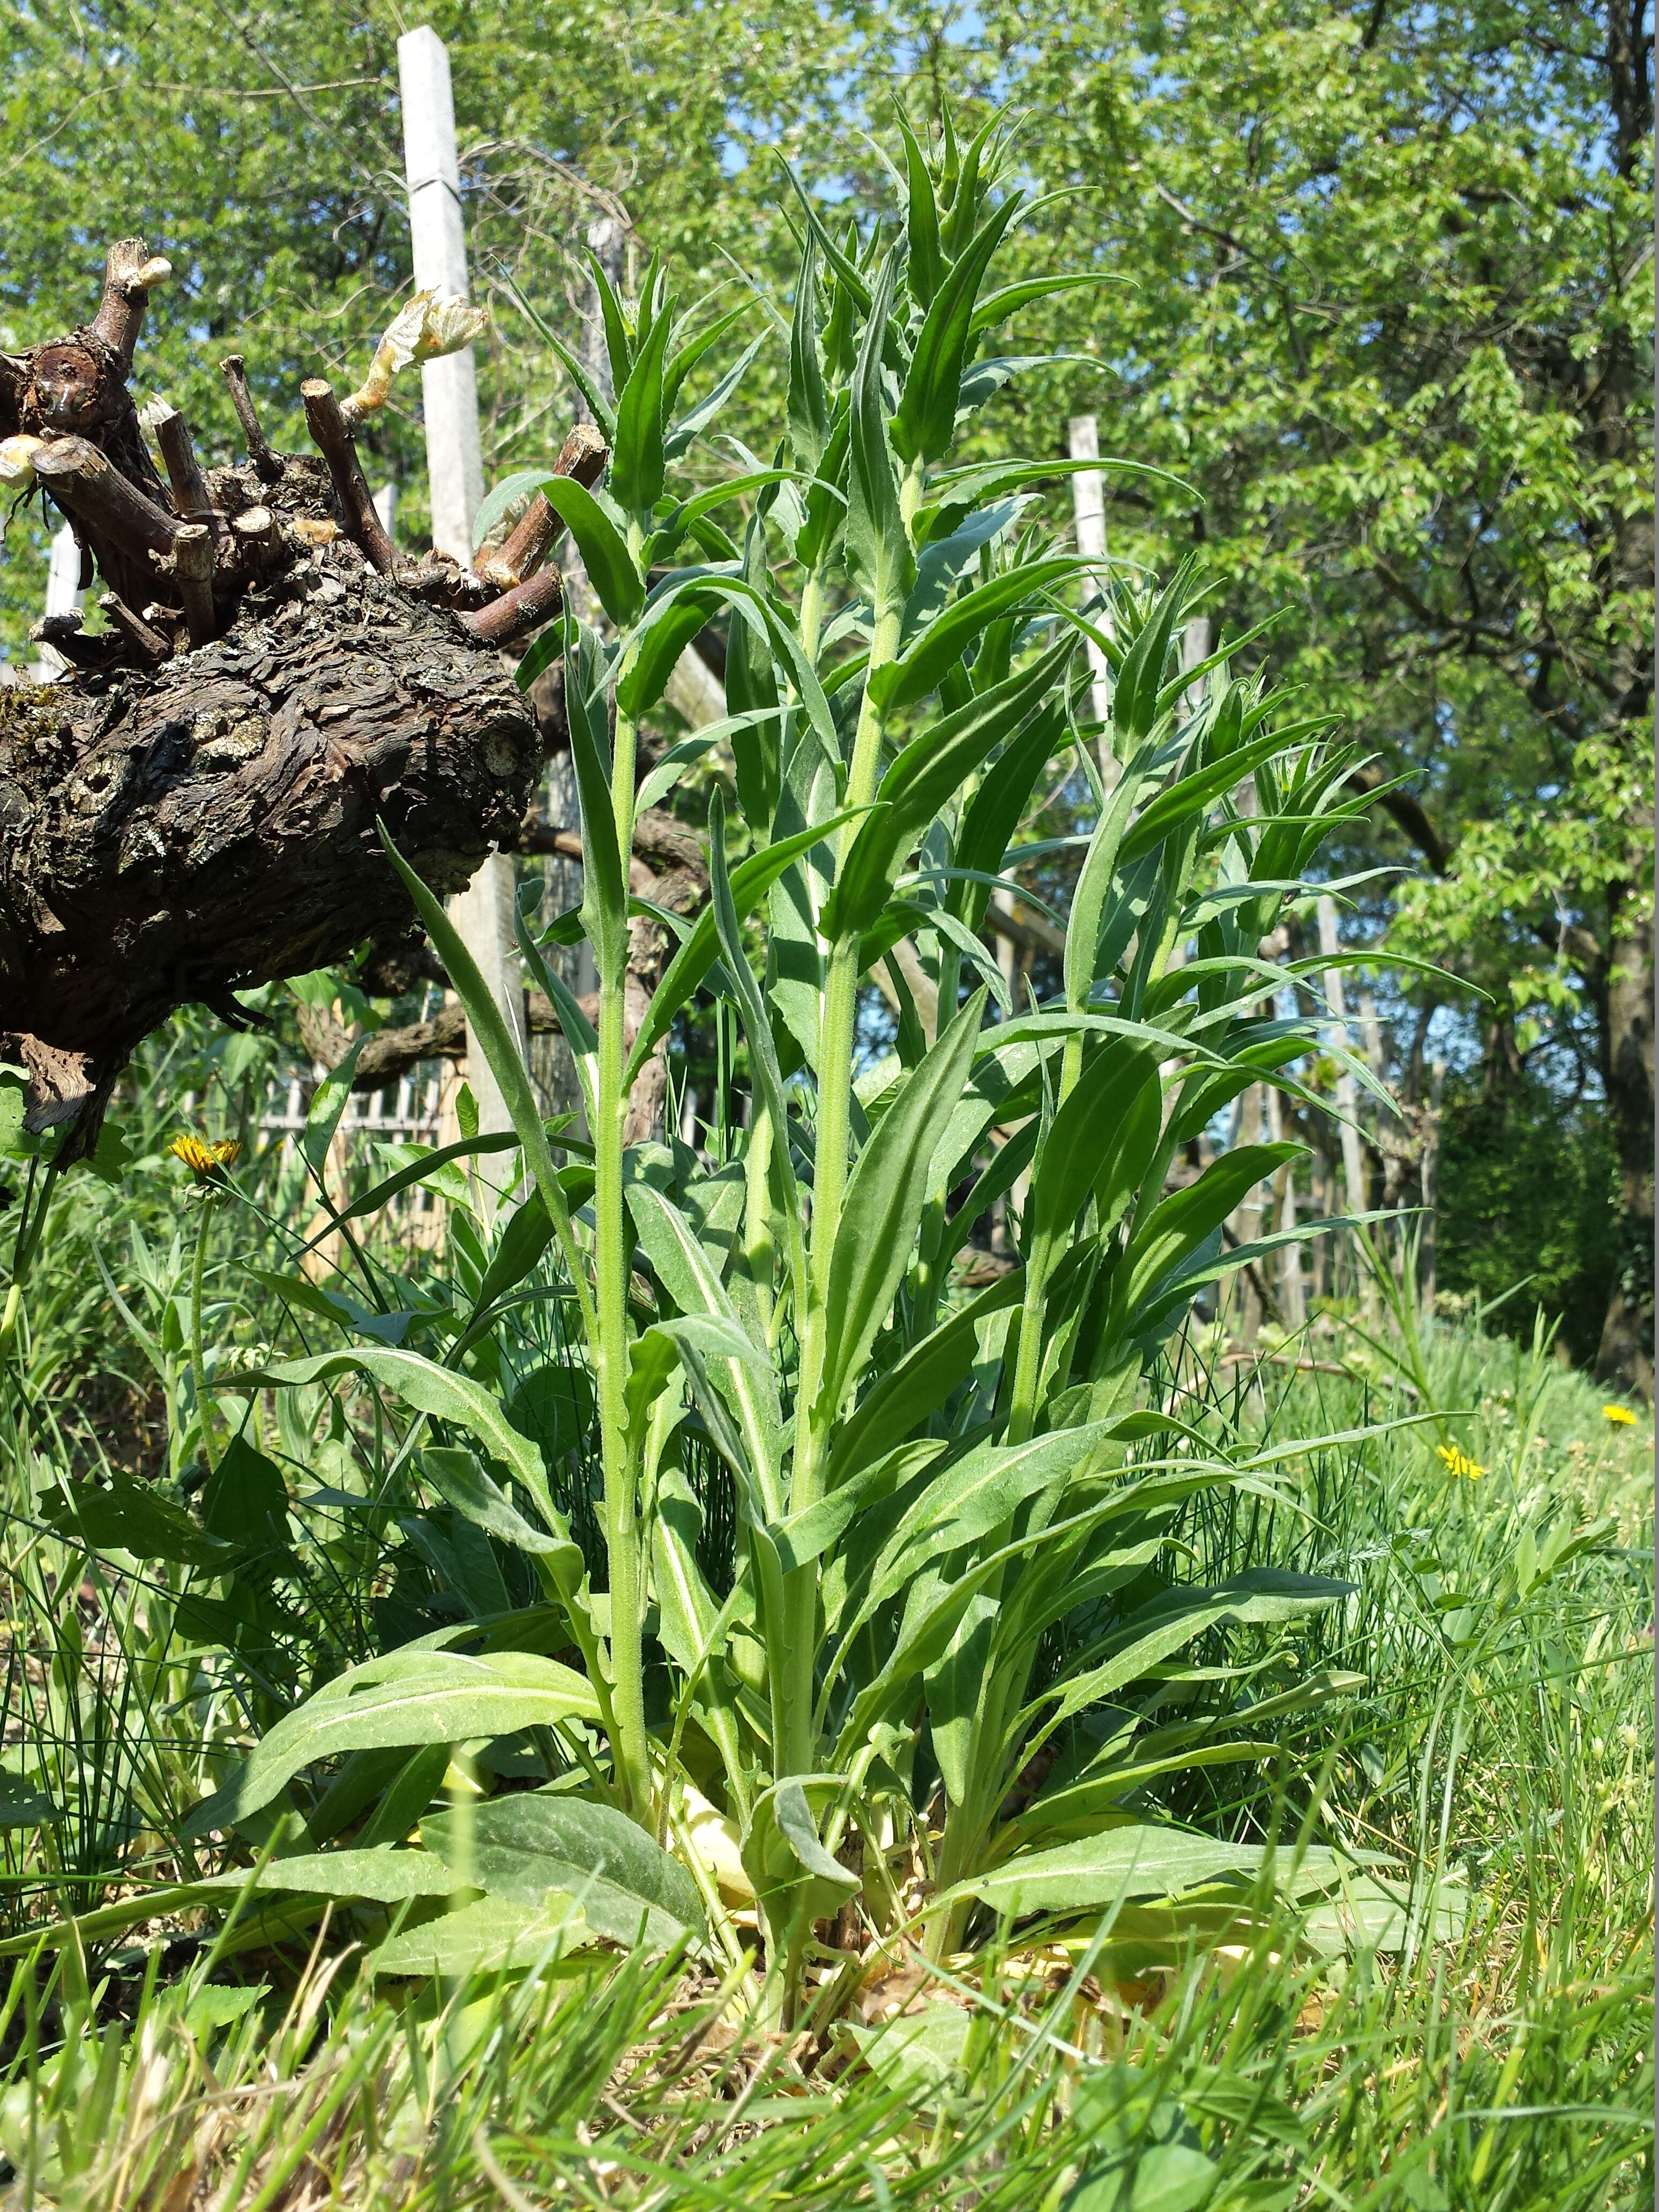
(188, 485)
(95, 495)
(517, 613)
(126, 528)
(192, 564)
(192, 808)
(521, 553)
(334, 440)
(267, 462)
(148, 644)
(258, 547)
(130, 274)
(175, 833)
(64, 634)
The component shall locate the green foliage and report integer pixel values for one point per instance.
(1525, 1197)
(903, 1547)
(1511, 1746)
(828, 1538)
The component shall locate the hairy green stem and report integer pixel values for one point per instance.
(205, 1407)
(835, 1050)
(630, 1744)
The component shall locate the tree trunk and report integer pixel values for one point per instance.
(1625, 1355)
(193, 809)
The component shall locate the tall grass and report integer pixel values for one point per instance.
(1493, 2050)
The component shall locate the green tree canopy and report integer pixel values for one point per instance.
(1388, 315)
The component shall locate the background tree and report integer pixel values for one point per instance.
(1400, 365)
(1405, 367)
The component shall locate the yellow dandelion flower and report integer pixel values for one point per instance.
(1620, 1416)
(1459, 1463)
(206, 1161)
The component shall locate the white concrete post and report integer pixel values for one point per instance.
(1195, 645)
(454, 460)
(449, 388)
(1089, 512)
(1353, 1161)
(64, 597)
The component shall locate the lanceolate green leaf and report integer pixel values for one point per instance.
(943, 643)
(924, 777)
(1073, 1150)
(1139, 677)
(878, 544)
(624, 1884)
(927, 418)
(692, 424)
(1181, 1222)
(381, 1193)
(328, 1104)
(659, 653)
(460, 1481)
(1012, 297)
(611, 566)
(991, 816)
(977, 1494)
(1193, 794)
(884, 1202)
(413, 1697)
(438, 1392)
(1132, 1861)
(914, 1389)
(762, 1052)
(1172, 1622)
(491, 1935)
(505, 1062)
(133, 1517)
(927, 262)
(1094, 883)
(750, 881)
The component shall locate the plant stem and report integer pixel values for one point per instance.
(836, 1040)
(630, 1746)
(204, 1409)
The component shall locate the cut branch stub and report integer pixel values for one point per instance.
(185, 478)
(328, 427)
(131, 274)
(267, 463)
(192, 563)
(583, 459)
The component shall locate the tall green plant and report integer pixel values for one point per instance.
(935, 1495)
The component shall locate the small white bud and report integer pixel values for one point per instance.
(425, 327)
(17, 461)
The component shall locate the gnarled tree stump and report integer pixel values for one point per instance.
(192, 809)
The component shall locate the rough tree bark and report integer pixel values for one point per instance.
(192, 809)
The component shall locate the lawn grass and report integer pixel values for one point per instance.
(1494, 1749)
